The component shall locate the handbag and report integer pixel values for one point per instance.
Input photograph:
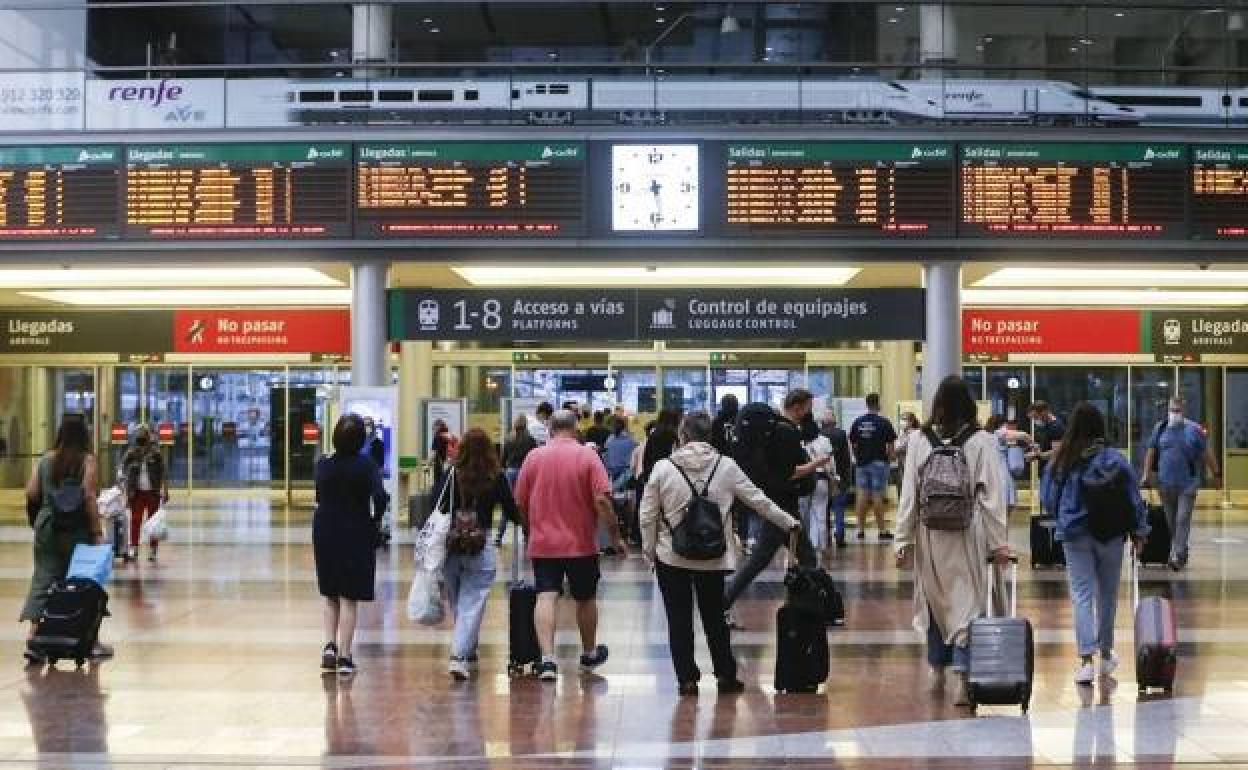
(465, 535)
(156, 528)
(93, 562)
(429, 546)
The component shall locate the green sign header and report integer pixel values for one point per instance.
(1076, 152)
(1220, 153)
(853, 151)
(59, 155)
(490, 152)
(240, 153)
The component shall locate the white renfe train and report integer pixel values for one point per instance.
(687, 100)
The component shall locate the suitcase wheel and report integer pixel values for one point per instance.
(79, 662)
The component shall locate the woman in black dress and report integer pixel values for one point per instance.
(344, 537)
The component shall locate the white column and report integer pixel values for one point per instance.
(371, 31)
(938, 38)
(942, 350)
(415, 383)
(898, 379)
(368, 324)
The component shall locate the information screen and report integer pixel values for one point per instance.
(59, 192)
(1219, 191)
(839, 188)
(238, 191)
(1077, 189)
(454, 189)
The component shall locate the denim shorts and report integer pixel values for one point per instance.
(872, 477)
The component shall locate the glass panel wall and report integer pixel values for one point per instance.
(236, 441)
(1009, 391)
(1237, 428)
(1104, 386)
(166, 403)
(636, 391)
(15, 426)
(686, 389)
(1151, 388)
(1201, 388)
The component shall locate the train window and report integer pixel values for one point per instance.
(396, 96)
(472, 96)
(355, 96)
(1079, 93)
(560, 89)
(540, 88)
(316, 97)
(438, 95)
(1152, 100)
(898, 87)
(515, 93)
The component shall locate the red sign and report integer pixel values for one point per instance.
(1032, 330)
(118, 433)
(164, 433)
(311, 433)
(261, 330)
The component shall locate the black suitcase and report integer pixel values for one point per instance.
(1046, 550)
(70, 622)
(1157, 549)
(524, 652)
(801, 651)
(1002, 655)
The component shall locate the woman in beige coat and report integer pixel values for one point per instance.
(663, 505)
(951, 575)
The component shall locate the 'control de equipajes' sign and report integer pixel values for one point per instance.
(711, 314)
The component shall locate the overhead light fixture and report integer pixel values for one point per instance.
(1094, 297)
(161, 277)
(1082, 278)
(193, 297)
(725, 276)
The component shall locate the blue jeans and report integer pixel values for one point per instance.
(1179, 503)
(940, 654)
(840, 501)
(1094, 570)
(468, 583)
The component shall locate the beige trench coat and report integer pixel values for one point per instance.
(951, 572)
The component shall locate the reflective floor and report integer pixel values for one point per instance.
(217, 653)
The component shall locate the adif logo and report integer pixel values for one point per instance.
(929, 152)
(567, 151)
(664, 317)
(1172, 331)
(87, 156)
(332, 153)
(1151, 154)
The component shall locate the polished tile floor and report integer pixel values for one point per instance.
(217, 651)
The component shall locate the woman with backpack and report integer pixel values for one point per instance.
(62, 489)
(1095, 495)
(949, 538)
(698, 481)
(471, 488)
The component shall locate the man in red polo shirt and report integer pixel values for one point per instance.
(563, 492)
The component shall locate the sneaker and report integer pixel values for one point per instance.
(498, 542)
(151, 557)
(458, 669)
(474, 664)
(936, 679)
(886, 536)
(687, 689)
(592, 660)
(329, 657)
(34, 657)
(1085, 674)
(1109, 663)
(731, 687)
(1175, 565)
(547, 671)
(131, 556)
(346, 666)
(840, 541)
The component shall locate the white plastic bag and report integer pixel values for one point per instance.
(429, 547)
(156, 527)
(424, 600)
(112, 503)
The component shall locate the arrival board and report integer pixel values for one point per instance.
(1219, 191)
(1073, 189)
(241, 191)
(458, 189)
(839, 188)
(59, 192)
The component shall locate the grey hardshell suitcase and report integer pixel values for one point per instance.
(1002, 654)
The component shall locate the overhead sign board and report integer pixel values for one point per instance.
(59, 192)
(263, 330)
(42, 101)
(98, 331)
(1180, 334)
(1002, 331)
(167, 103)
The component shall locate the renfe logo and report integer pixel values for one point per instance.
(156, 95)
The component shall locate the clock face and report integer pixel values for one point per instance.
(655, 188)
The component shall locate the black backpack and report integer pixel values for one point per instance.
(700, 534)
(755, 434)
(1107, 498)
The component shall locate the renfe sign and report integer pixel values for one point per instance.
(1036, 330)
(164, 103)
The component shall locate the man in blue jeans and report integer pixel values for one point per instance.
(873, 440)
(1177, 454)
(843, 462)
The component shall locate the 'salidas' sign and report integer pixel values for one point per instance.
(1035, 330)
(263, 330)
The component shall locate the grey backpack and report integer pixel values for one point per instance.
(946, 491)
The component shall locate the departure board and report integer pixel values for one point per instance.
(238, 191)
(59, 192)
(1219, 191)
(457, 189)
(1074, 189)
(839, 188)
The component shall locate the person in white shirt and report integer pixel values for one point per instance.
(539, 429)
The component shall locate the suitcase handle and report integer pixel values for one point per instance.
(517, 556)
(1135, 574)
(992, 584)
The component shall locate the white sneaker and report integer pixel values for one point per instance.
(936, 679)
(458, 669)
(1086, 674)
(1109, 664)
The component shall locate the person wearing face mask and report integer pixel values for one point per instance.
(147, 487)
(1176, 452)
(1048, 430)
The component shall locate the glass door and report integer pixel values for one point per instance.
(236, 441)
(71, 392)
(1151, 389)
(16, 449)
(166, 403)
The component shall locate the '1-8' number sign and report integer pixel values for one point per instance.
(490, 315)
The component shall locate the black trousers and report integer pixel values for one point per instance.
(680, 587)
(770, 540)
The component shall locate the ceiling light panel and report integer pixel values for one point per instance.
(162, 277)
(1082, 278)
(692, 276)
(193, 297)
(1093, 297)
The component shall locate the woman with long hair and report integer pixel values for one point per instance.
(470, 490)
(71, 464)
(350, 503)
(951, 580)
(1093, 540)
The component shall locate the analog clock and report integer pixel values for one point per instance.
(655, 188)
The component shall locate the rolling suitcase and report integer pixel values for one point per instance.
(1002, 654)
(524, 652)
(1046, 550)
(1156, 638)
(1157, 549)
(70, 622)
(802, 662)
